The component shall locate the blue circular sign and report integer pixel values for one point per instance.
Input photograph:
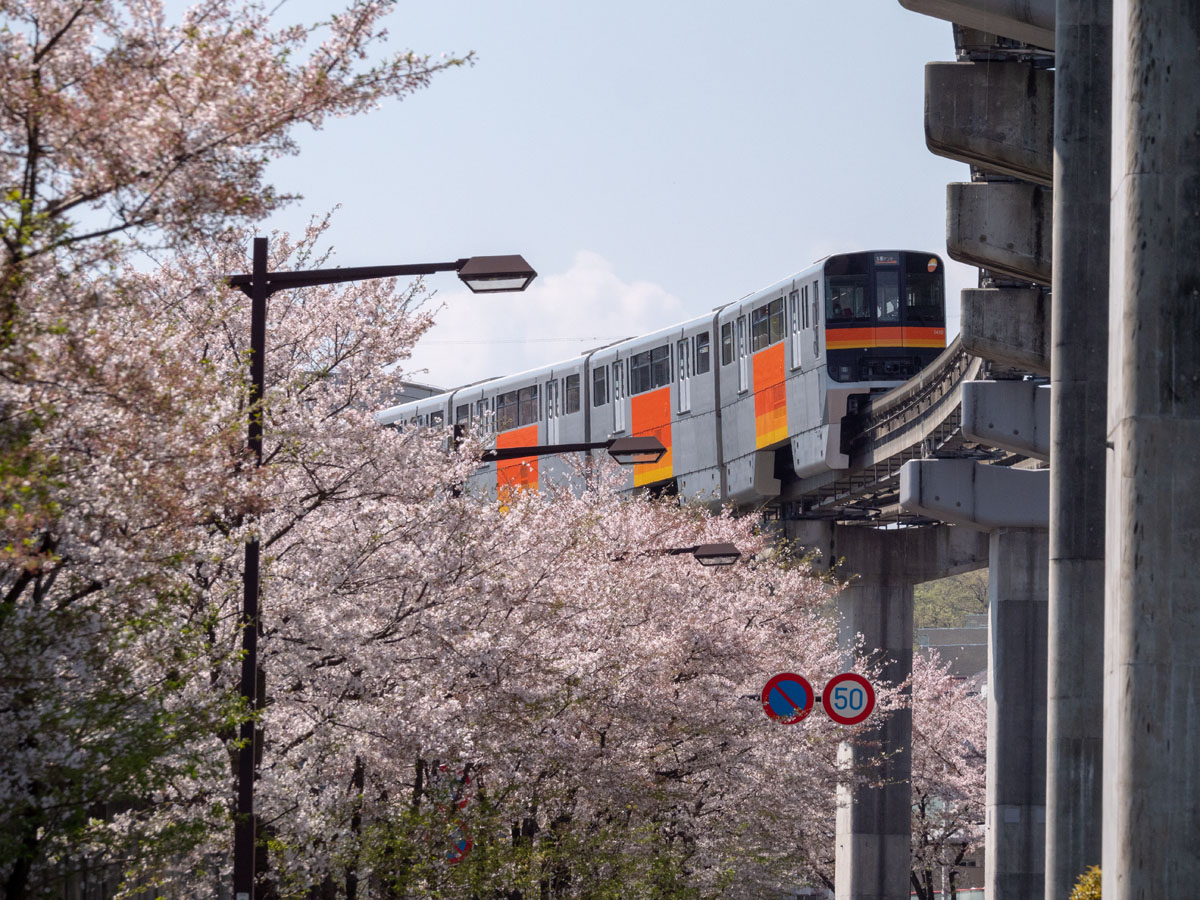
(787, 698)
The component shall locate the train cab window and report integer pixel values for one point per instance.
(923, 300)
(702, 353)
(846, 299)
(650, 369)
(599, 385)
(462, 413)
(766, 325)
(804, 304)
(887, 295)
(726, 343)
(572, 394)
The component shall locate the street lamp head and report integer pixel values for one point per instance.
(629, 451)
(495, 274)
(717, 554)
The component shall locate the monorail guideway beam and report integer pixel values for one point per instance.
(874, 824)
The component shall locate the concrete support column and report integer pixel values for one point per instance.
(874, 824)
(1079, 380)
(1014, 850)
(1152, 600)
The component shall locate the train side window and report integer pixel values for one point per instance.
(482, 408)
(804, 304)
(527, 405)
(437, 419)
(726, 343)
(650, 369)
(766, 325)
(743, 352)
(572, 398)
(816, 317)
(506, 411)
(462, 413)
(702, 353)
(599, 385)
(797, 308)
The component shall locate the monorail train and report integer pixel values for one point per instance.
(739, 396)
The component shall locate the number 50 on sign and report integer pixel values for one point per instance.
(848, 698)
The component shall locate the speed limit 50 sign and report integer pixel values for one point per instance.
(848, 698)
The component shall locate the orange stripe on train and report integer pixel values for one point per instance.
(650, 416)
(515, 475)
(770, 397)
(862, 338)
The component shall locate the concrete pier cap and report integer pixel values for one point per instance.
(1010, 326)
(1010, 415)
(975, 495)
(1030, 21)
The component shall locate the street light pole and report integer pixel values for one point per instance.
(244, 823)
(482, 274)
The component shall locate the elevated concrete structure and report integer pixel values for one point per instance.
(982, 496)
(1010, 415)
(1029, 21)
(1002, 226)
(1015, 846)
(1009, 326)
(969, 493)
(996, 115)
(1079, 376)
(874, 824)
(1152, 603)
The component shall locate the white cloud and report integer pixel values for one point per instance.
(559, 317)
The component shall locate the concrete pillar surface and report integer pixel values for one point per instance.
(873, 829)
(1079, 382)
(1014, 849)
(874, 825)
(1151, 840)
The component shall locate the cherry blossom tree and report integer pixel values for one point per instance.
(948, 774)
(602, 696)
(122, 477)
(602, 699)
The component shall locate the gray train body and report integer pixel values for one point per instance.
(754, 391)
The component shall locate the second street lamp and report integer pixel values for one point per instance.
(710, 554)
(482, 274)
(628, 451)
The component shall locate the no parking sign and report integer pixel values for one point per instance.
(788, 698)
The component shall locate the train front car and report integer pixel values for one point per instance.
(885, 315)
(885, 320)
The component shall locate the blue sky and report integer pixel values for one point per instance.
(651, 160)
